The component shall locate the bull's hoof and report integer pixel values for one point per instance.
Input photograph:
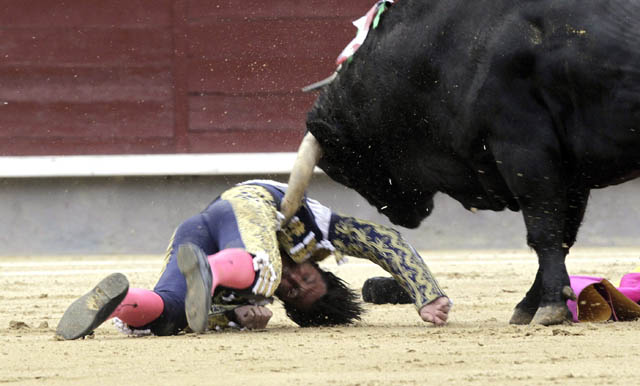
(521, 316)
(552, 314)
(568, 293)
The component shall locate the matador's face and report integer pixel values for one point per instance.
(301, 284)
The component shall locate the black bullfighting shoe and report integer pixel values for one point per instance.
(90, 310)
(194, 265)
(384, 290)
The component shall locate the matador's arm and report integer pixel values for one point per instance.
(385, 247)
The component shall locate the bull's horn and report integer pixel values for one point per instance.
(308, 155)
(323, 82)
(320, 84)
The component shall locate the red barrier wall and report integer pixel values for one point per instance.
(163, 76)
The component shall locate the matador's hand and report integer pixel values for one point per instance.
(269, 274)
(436, 312)
(253, 317)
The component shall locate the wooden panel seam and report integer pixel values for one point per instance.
(180, 77)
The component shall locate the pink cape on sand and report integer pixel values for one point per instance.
(599, 300)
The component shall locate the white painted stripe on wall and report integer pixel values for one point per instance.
(146, 165)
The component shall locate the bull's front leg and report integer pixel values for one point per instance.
(545, 221)
(533, 172)
(556, 290)
(526, 309)
(576, 205)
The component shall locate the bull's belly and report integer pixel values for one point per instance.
(615, 180)
(607, 173)
(606, 152)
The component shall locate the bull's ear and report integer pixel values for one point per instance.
(329, 136)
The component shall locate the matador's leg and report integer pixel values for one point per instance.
(256, 223)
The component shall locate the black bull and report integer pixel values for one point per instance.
(526, 105)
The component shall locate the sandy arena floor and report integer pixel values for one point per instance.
(390, 346)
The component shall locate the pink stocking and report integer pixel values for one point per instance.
(232, 268)
(140, 307)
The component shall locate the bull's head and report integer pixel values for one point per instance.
(394, 195)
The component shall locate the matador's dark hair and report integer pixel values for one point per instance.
(340, 305)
